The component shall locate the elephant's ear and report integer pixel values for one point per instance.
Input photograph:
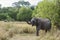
(37, 22)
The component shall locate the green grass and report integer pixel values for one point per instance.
(23, 31)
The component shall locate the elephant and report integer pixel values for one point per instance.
(41, 24)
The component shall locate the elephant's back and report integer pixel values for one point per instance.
(44, 20)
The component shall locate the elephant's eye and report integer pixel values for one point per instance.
(33, 21)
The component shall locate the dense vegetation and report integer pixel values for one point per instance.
(48, 9)
(23, 11)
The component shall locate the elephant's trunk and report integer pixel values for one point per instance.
(28, 22)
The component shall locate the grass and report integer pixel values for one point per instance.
(23, 31)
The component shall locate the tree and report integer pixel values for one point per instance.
(24, 14)
(3, 16)
(0, 5)
(21, 3)
(12, 12)
(48, 9)
(32, 7)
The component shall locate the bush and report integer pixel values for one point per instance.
(3, 17)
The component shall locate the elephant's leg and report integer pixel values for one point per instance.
(46, 30)
(38, 27)
(37, 32)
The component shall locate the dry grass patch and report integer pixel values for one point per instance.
(23, 31)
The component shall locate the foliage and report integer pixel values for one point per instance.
(3, 16)
(48, 9)
(9, 12)
(24, 14)
(13, 13)
(32, 7)
(0, 5)
(21, 3)
(45, 9)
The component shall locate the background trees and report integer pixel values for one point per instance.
(21, 3)
(24, 14)
(0, 5)
(23, 11)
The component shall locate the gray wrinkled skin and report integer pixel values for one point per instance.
(41, 24)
